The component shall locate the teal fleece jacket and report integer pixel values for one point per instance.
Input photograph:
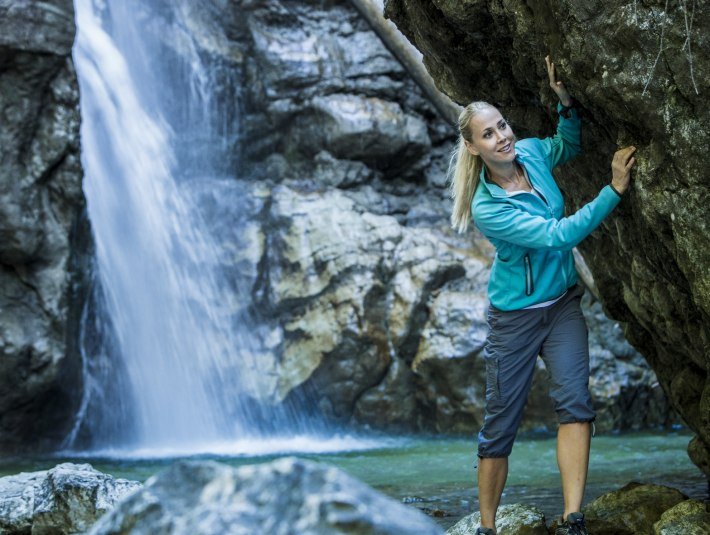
(533, 239)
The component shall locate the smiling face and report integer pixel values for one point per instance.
(491, 137)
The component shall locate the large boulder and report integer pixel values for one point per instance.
(66, 499)
(285, 496)
(44, 239)
(641, 74)
(632, 509)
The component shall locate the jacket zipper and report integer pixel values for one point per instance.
(529, 284)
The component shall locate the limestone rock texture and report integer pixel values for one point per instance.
(512, 519)
(640, 72)
(634, 508)
(42, 231)
(285, 496)
(689, 517)
(646, 508)
(66, 499)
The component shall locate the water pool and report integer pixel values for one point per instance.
(435, 474)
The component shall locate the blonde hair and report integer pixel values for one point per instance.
(466, 167)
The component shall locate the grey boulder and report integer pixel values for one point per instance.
(68, 498)
(286, 496)
(512, 519)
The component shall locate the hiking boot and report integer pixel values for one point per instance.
(485, 531)
(574, 525)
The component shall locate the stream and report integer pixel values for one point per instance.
(434, 474)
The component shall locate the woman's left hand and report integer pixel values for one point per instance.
(556, 85)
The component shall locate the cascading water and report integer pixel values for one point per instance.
(184, 361)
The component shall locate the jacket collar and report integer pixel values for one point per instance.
(494, 189)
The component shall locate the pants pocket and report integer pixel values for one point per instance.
(492, 386)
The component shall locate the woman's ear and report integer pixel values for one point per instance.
(470, 148)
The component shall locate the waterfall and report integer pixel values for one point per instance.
(173, 361)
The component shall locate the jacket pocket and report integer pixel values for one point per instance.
(529, 282)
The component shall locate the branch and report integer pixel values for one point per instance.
(408, 56)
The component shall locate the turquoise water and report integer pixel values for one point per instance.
(437, 474)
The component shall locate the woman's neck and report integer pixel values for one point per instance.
(503, 174)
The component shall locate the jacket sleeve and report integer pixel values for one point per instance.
(566, 143)
(505, 222)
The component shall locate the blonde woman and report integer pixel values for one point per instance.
(506, 187)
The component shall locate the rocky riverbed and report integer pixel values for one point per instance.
(296, 495)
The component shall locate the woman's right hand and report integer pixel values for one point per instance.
(621, 168)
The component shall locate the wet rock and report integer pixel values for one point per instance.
(68, 498)
(319, 79)
(689, 517)
(353, 291)
(354, 127)
(512, 519)
(633, 509)
(643, 81)
(288, 495)
(44, 237)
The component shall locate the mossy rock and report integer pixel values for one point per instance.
(690, 517)
(631, 510)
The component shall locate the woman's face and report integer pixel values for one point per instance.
(491, 137)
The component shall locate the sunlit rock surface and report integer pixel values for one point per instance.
(641, 74)
(285, 496)
(68, 498)
(42, 235)
(689, 517)
(511, 519)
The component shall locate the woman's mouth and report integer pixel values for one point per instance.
(505, 148)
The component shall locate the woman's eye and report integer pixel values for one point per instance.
(503, 126)
(487, 134)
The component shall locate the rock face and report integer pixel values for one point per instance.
(282, 497)
(632, 509)
(69, 498)
(513, 519)
(43, 238)
(640, 72)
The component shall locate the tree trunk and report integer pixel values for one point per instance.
(409, 57)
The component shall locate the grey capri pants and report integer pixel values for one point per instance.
(558, 333)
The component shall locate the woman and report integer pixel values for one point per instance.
(507, 188)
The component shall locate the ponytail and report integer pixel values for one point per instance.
(464, 170)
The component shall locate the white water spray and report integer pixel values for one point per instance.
(156, 263)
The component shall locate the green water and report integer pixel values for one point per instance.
(437, 475)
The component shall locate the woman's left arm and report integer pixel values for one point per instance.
(566, 142)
